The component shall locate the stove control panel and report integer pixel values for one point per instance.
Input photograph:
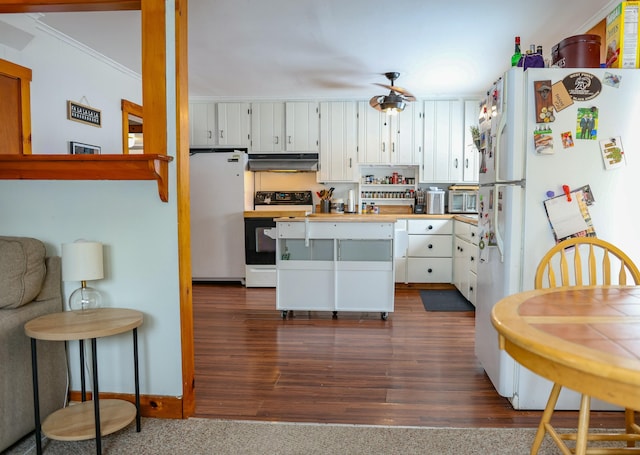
(283, 198)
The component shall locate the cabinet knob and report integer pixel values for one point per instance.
(430, 246)
(221, 134)
(472, 259)
(429, 227)
(429, 270)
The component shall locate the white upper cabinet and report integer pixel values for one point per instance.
(373, 135)
(390, 139)
(284, 127)
(338, 141)
(443, 142)
(234, 124)
(470, 170)
(302, 123)
(267, 127)
(407, 135)
(202, 124)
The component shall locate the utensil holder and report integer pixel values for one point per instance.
(325, 206)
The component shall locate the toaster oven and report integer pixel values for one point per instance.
(463, 200)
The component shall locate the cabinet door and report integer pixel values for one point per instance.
(461, 265)
(302, 125)
(373, 135)
(443, 138)
(267, 127)
(407, 135)
(471, 154)
(202, 124)
(234, 124)
(338, 141)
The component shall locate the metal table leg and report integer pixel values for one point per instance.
(136, 377)
(36, 396)
(82, 378)
(96, 393)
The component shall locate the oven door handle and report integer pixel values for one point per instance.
(271, 233)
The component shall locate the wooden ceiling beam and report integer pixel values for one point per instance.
(65, 6)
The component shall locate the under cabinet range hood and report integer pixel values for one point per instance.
(284, 162)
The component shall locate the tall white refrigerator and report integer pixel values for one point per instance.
(524, 163)
(221, 190)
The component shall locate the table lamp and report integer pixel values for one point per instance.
(82, 261)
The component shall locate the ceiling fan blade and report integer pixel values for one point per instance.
(402, 91)
(375, 103)
(388, 87)
(408, 98)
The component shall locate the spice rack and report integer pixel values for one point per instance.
(387, 186)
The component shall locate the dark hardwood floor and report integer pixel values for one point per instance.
(417, 368)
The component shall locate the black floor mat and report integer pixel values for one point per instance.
(445, 300)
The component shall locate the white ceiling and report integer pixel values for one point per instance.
(337, 49)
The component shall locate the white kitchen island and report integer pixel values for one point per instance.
(335, 263)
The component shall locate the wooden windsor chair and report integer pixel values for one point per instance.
(595, 262)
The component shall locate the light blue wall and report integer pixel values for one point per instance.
(138, 230)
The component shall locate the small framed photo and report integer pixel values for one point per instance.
(78, 148)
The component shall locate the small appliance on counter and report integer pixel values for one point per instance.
(419, 207)
(463, 199)
(435, 201)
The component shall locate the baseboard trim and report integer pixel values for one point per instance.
(163, 407)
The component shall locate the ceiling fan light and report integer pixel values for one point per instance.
(392, 107)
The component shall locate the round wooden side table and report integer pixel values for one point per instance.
(74, 423)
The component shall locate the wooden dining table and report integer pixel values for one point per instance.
(584, 338)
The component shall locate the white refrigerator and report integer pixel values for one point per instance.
(519, 173)
(221, 190)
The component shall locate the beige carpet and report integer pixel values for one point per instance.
(221, 437)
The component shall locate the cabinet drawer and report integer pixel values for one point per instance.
(473, 234)
(461, 229)
(473, 259)
(430, 226)
(429, 246)
(429, 270)
(466, 231)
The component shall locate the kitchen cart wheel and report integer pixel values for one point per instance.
(284, 314)
(335, 315)
(384, 315)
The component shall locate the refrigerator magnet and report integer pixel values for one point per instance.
(612, 153)
(543, 141)
(612, 80)
(567, 139)
(587, 123)
(543, 102)
(560, 96)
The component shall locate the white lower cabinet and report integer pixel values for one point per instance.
(429, 252)
(401, 247)
(465, 259)
(341, 266)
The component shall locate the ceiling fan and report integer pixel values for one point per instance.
(395, 101)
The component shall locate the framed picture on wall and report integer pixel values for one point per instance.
(78, 148)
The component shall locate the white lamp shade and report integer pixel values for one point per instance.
(82, 261)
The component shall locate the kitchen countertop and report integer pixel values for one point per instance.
(356, 217)
(275, 213)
